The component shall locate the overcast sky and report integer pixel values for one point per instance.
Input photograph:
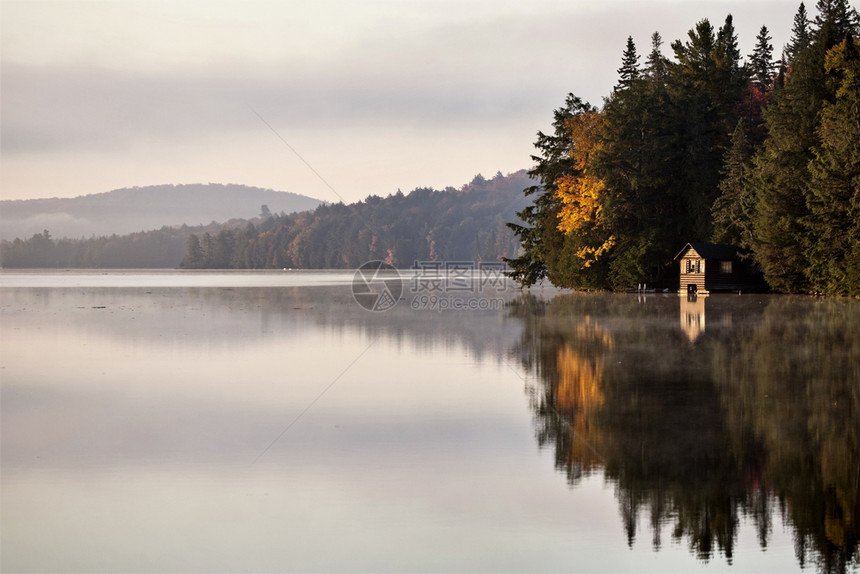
(375, 96)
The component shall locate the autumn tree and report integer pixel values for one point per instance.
(581, 218)
(541, 241)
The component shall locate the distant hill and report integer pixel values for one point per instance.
(130, 210)
(465, 224)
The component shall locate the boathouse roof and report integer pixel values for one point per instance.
(713, 251)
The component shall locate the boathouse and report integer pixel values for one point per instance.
(708, 267)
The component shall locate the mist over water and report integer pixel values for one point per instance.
(267, 422)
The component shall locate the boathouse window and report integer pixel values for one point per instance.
(693, 266)
(725, 267)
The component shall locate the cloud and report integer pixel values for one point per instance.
(468, 75)
(79, 107)
(150, 85)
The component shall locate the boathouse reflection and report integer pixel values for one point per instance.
(692, 315)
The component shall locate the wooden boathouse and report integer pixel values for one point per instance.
(708, 267)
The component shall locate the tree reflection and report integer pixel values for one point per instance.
(756, 417)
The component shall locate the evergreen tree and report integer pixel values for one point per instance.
(704, 147)
(759, 90)
(635, 162)
(782, 70)
(207, 245)
(655, 67)
(706, 86)
(836, 20)
(629, 70)
(832, 244)
(800, 36)
(761, 61)
(193, 254)
(781, 174)
(223, 254)
(727, 53)
(733, 210)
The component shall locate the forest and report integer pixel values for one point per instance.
(465, 224)
(763, 154)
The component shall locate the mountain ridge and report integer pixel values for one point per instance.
(133, 209)
(452, 224)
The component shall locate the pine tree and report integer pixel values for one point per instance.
(207, 245)
(704, 147)
(836, 20)
(731, 77)
(760, 88)
(629, 70)
(223, 250)
(193, 254)
(727, 53)
(832, 245)
(781, 175)
(706, 87)
(800, 36)
(782, 70)
(733, 209)
(761, 61)
(655, 67)
(635, 162)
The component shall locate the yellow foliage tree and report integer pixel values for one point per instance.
(579, 392)
(582, 193)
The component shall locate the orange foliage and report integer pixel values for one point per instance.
(585, 130)
(579, 391)
(580, 373)
(579, 382)
(582, 194)
(581, 197)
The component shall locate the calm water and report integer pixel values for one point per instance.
(190, 422)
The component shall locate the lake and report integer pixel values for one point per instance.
(166, 421)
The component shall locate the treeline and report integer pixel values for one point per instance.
(161, 248)
(764, 154)
(466, 224)
(426, 225)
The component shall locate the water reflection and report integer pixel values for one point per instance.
(755, 419)
(127, 409)
(692, 315)
(261, 429)
(246, 316)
